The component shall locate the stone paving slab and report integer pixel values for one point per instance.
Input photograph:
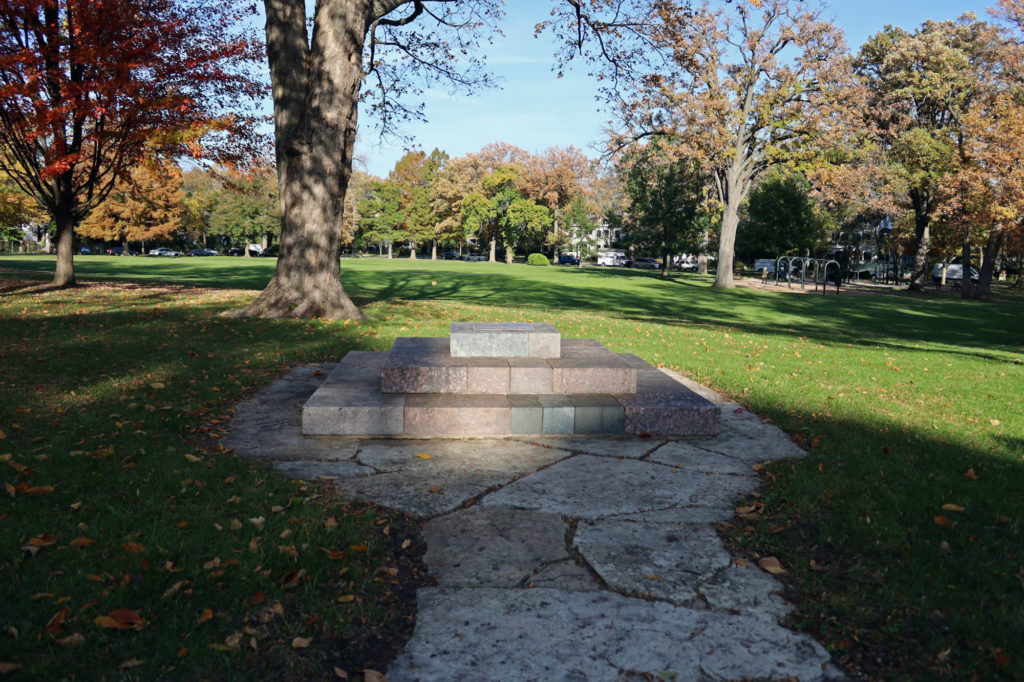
(592, 487)
(519, 544)
(652, 560)
(546, 548)
(544, 634)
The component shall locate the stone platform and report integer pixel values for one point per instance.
(420, 388)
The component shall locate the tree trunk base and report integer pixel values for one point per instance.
(276, 301)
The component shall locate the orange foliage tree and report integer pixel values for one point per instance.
(147, 206)
(88, 89)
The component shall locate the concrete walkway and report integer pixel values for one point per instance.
(563, 558)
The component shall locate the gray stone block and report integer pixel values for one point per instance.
(559, 414)
(597, 414)
(504, 339)
(526, 415)
(349, 401)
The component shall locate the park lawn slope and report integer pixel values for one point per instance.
(901, 531)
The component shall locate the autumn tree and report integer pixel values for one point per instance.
(88, 89)
(146, 206)
(554, 178)
(412, 175)
(579, 228)
(752, 85)
(921, 86)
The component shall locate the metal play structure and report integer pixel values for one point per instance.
(818, 268)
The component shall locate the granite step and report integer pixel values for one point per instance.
(350, 402)
(428, 365)
(504, 339)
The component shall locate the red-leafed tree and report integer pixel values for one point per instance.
(88, 89)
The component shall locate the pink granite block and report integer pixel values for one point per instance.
(662, 406)
(577, 348)
(487, 375)
(592, 375)
(529, 375)
(456, 415)
(405, 379)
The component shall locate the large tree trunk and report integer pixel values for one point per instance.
(919, 277)
(727, 240)
(316, 95)
(992, 246)
(412, 250)
(64, 273)
(433, 250)
(965, 258)
(493, 249)
(510, 254)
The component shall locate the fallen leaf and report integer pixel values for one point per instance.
(133, 548)
(301, 642)
(292, 578)
(423, 455)
(1001, 657)
(772, 565)
(233, 640)
(373, 676)
(82, 542)
(953, 507)
(994, 422)
(206, 615)
(359, 549)
(815, 566)
(130, 663)
(943, 521)
(74, 639)
(970, 475)
(258, 598)
(277, 509)
(193, 458)
(39, 489)
(55, 625)
(44, 540)
(11, 667)
(333, 554)
(235, 524)
(2, 434)
(436, 489)
(258, 521)
(750, 508)
(212, 563)
(340, 674)
(346, 598)
(111, 623)
(175, 588)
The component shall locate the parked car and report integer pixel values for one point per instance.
(647, 264)
(450, 255)
(613, 258)
(164, 251)
(84, 251)
(254, 250)
(691, 266)
(202, 252)
(474, 257)
(568, 259)
(119, 250)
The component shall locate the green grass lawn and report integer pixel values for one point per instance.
(901, 530)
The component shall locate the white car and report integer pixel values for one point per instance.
(163, 251)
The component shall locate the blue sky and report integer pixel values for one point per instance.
(535, 110)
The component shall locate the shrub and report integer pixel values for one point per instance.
(537, 259)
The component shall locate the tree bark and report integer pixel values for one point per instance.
(433, 250)
(510, 254)
(412, 250)
(64, 273)
(727, 241)
(992, 246)
(965, 258)
(919, 277)
(493, 249)
(316, 95)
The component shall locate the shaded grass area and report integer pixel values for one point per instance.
(902, 529)
(131, 545)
